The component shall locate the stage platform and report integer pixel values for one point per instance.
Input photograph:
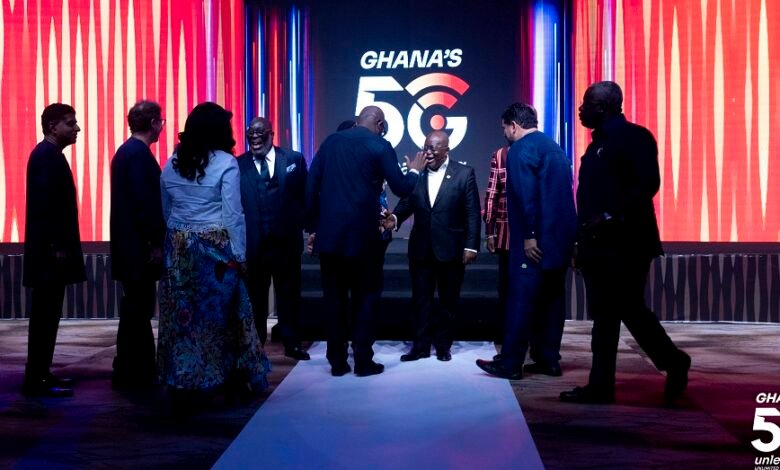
(707, 282)
(711, 427)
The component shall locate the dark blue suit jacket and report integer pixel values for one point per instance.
(290, 171)
(52, 222)
(343, 189)
(452, 223)
(137, 223)
(540, 201)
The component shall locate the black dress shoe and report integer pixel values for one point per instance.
(62, 382)
(297, 353)
(539, 368)
(44, 388)
(372, 368)
(588, 394)
(444, 356)
(415, 354)
(337, 370)
(495, 368)
(677, 378)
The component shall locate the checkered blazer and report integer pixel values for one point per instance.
(495, 215)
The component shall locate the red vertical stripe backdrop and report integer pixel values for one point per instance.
(101, 57)
(702, 77)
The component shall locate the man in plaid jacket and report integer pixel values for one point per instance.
(497, 224)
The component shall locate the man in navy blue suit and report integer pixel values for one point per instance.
(273, 188)
(540, 206)
(343, 222)
(137, 235)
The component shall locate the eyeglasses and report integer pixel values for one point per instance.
(162, 121)
(430, 148)
(256, 133)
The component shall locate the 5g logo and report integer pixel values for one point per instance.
(396, 125)
(761, 424)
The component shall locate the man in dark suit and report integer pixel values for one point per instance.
(343, 222)
(137, 234)
(444, 239)
(618, 238)
(52, 246)
(273, 187)
(543, 223)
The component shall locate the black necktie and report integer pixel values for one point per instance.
(264, 174)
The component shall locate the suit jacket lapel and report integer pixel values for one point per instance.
(280, 168)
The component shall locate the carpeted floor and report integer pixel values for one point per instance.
(711, 427)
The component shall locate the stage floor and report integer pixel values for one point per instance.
(710, 428)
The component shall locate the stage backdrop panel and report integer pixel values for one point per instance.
(101, 57)
(702, 76)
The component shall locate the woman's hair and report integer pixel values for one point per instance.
(207, 129)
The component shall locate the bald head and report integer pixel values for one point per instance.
(373, 119)
(437, 148)
(260, 136)
(601, 101)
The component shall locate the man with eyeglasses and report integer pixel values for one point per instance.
(137, 234)
(273, 187)
(444, 239)
(342, 217)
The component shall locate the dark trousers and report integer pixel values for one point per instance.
(535, 315)
(615, 289)
(432, 325)
(503, 289)
(45, 312)
(135, 351)
(357, 276)
(282, 264)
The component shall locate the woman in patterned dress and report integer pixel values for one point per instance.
(207, 338)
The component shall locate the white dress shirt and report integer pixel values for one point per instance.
(435, 178)
(271, 159)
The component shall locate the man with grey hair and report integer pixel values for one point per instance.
(445, 238)
(617, 239)
(137, 234)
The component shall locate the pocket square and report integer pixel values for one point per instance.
(291, 167)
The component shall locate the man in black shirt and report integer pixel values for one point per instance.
(52, 246)
(618, 238)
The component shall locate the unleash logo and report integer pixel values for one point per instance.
(411, 59)
(430, 90)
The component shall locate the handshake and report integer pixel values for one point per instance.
(387, 221)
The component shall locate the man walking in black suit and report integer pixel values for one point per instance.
(444, 239)
(618, 238)
(52, 246)
(273, 187)
(343, 222)
(137, 234)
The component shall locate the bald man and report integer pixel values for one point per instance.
(273, 189)
(343, 222)
(618, 238)
(444, 239)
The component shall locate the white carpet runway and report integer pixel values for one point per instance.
(426, 414)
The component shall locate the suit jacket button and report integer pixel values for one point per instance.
(523, 265)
